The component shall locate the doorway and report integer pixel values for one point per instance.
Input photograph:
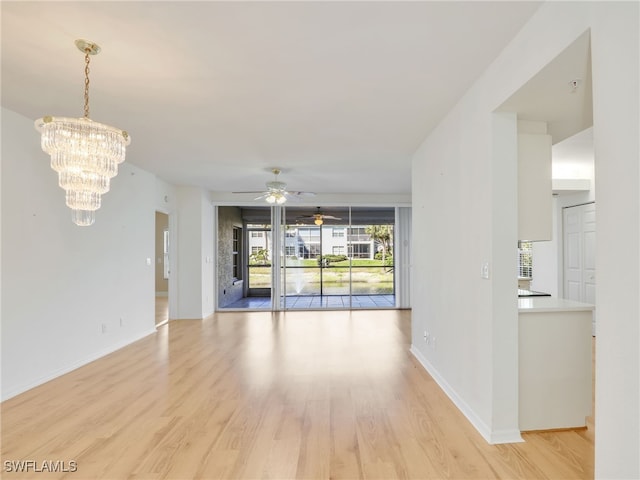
(579, 239)
(162, 269)
(260, 255)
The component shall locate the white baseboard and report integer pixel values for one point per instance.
(18, 389)
(492, 437)
(505, 436)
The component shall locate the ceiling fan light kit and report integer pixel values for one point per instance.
(318, 217)
(276, 197)
(277, 190)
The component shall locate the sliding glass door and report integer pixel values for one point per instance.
(338, 257)
(306, 257)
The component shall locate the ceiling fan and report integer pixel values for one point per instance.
(318, 217)
(277, 192)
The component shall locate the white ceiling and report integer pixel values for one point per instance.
(551, 97)
(337, 94)
(574, 157)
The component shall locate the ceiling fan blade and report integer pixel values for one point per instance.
(312, 217)
(302, 194)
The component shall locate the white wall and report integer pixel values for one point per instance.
(63, 282)
(166, 202)
(194, 272)
(325, 200)
(207, 235)
(457, 186)
(615, 51)
(547, 256)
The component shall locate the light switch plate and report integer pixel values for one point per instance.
(484, 271)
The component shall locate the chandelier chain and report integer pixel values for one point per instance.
(86, 83)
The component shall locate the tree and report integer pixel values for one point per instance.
(382, 234)
(260, 257)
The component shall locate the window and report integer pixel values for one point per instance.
(255, 249)
(525, 259)
(256, 234)
(235, 251)
(290, 250)
(291, 233)
(359, 234)
(337, 232)
(360, 250)
(310, 234)
(338, 250)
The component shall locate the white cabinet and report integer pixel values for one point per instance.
(555, 364)
(534, 186)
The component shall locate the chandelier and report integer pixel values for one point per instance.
(86, 154)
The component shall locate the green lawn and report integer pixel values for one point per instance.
(305, 279)
(356, 262)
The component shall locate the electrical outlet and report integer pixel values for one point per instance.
(433, 342)
(121, 322)
(104, 328)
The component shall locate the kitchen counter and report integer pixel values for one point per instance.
(554, 351)
(523, 292)
(551, 304)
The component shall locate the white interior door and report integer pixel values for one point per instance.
(579, 225)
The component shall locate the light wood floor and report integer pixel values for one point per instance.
(313, 395)
(162, 310)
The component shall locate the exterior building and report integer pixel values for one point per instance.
(305, 242)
